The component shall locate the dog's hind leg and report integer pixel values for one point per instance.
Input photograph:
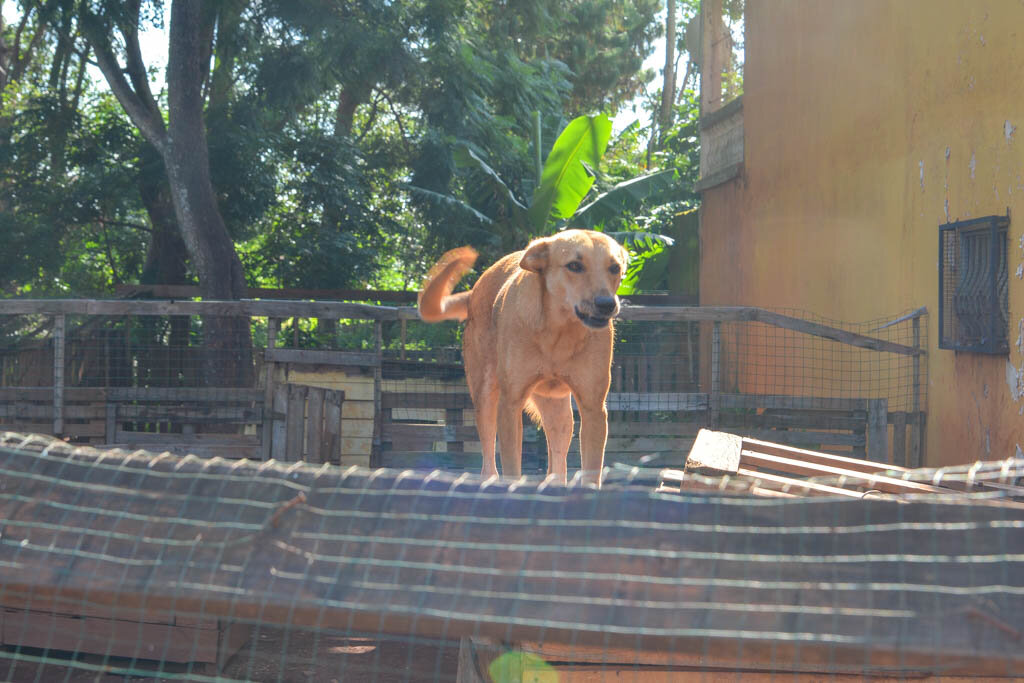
(510, 434)
(556, 419)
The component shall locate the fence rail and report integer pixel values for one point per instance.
(677, 369)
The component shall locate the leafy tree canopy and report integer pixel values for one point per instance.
(317, 116)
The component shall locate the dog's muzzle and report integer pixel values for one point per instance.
(604, 308)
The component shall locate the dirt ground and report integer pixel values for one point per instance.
(271, 655)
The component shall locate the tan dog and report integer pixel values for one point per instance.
(538, 329)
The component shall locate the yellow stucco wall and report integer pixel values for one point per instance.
(869, 123)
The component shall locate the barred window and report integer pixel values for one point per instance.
(974, 307)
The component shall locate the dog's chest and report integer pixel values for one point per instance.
(560, 350)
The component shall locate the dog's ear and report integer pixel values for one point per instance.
(535, 258)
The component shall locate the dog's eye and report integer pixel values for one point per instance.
(574, 266)
(614, 269)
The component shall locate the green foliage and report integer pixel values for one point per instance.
(321, 118)
(568, 172)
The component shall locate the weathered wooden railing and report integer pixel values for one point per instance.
(664, 424)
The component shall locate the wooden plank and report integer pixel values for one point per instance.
(397, 430)
(834, 334)
(331, 446)
(641, 444)
(295, 422)
(804, 419)
(878, 430)
(59, 323)
(803, 438)
(899, 438)
(657, 401)
(782, 402)
(287, 293)
(356, 388)
(314, 425)
(45, 394)
(453, 423)
(185, 394)
(662, 429)
(243, 308)
(378, 377)
(44, 413)
(110, 424)
(854, 464)
(110, 637)
(78, 430)
(193, 414)
(352, 409)
(715, 453)
(390, 400)
(866, 480)
(129, 436)
(35, 411)
(279, 414)
(361, 428)
(310, 357)
(528, 662)
(715, 400)
(13, 601)
(798, 487)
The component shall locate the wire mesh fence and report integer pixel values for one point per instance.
(144, 565)
(388, 390)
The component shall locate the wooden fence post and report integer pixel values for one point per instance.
(917, 424)
(878, 430)
(378, 378)
(268, 390)
(59, 322)
(899, 439)
(715, 403)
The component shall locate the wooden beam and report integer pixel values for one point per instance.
(244, 307)
(854, 464)
(311, 357)
(878, 430)
(863, 479)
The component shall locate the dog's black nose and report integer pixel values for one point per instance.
(605, 305)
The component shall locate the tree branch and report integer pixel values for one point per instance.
(149, 121)
(370, 119)
(134, 65)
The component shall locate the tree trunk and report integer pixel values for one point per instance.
(166, 264)
(186, 158)
(668, 90)
(183, 148)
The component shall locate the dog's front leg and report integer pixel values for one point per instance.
(593, 436)
(510, 435)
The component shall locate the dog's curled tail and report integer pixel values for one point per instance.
(436, 301)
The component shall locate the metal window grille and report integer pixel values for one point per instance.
(974, 307)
